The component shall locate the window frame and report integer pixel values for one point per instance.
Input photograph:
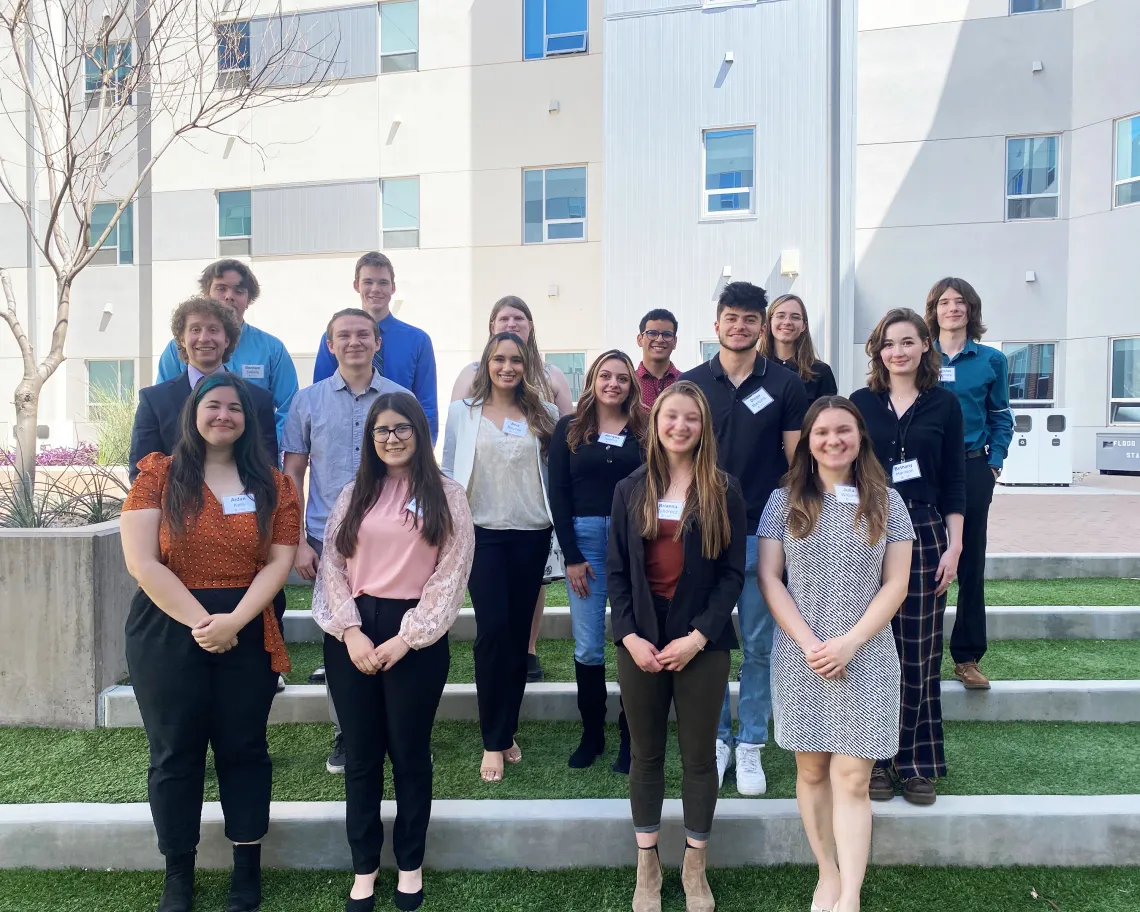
(1051, 402)
(1114, 400)
(116, 246)
(1019, 196)
(385, 231)
(126, 394)
(546, 36)
(391, 54)
(1117, 184)
(91, 96)
(231, 238)
(1014, 12)
(546, 222)
(723, 215)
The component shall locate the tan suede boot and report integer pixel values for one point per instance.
(647, 894)
(698, 896)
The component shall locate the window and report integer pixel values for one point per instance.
(1034, 6)
(119, 248)
(235, 222)
(1124, 404)
(1128, 161)
(554, 205)
(1032, 190)
(399, 37)
(109, 381)
(554, 27)
(105, 72)
(573, 365)
(400, 211)
(1031, 370)
(233, 54)
(709, 350)
(728, 157)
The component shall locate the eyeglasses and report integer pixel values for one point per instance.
(402, 432)
(654, 334)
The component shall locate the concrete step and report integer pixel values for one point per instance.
(1068, 622)
(1008, 701)
(1060, 831)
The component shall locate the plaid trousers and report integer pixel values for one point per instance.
(918, 637)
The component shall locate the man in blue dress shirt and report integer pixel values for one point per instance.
(406, 356)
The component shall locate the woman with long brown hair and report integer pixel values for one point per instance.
(787, 341)
(496, 446)
(398, 550)
(592, 450)
(675, 569)
(844, 539)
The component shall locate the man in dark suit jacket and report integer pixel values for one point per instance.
(206, 332)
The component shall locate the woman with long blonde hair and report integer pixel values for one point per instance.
(675, 570)
(786, 339)
(844, 539)
(496, 445)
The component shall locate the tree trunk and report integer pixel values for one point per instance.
(27, 402)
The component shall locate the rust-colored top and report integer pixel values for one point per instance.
(664, 559)
(220, 551)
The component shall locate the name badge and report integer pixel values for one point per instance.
(669, 509)
(946, 375)
(514, 428)
(905, 471)
(758, 400)
(253, 371)
(414, 509)
(847, 494)
(612, 439)
(238, 503)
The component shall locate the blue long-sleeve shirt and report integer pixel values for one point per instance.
(981, 383)
(406, 357)
(259, 358)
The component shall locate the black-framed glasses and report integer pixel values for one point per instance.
(666, 335)
(402, 432)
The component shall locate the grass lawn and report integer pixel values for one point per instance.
(778, 889)
(1014, 758)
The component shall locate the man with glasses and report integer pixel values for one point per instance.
(324, 436)
(657, 338)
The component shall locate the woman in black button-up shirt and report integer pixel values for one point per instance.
(916, 427)
(787, 341)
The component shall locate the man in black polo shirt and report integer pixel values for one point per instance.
(757, 410)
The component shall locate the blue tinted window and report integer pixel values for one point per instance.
(553, 27)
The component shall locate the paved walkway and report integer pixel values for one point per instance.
(1097, 514)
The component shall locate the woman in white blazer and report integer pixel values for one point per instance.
(495, 445)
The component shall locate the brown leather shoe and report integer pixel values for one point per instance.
(647, 893)
(971, 676)
(882, 785)
(919, 790)
(698, 895)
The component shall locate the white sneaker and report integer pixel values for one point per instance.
(723, 761)
(749, 773)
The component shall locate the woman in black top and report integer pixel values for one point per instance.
(787, 341)
(590, 452)
(676, 569)
(916, 428)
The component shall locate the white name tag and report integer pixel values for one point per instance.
(848, 494)
(905, 471)
(758, 400)
(946, 375)
(238, 503)
(253, 371)
(612, 439)
(669, 509)
(514, 428)
(414, 509)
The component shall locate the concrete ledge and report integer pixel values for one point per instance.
(1045, 566)
(1008, 701)
(1059, 831)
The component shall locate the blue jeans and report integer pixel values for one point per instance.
(756, 631)
(588, 615)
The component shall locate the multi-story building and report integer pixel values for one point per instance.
(602, 157)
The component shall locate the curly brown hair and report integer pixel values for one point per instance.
(929, 368)
(206, 307)
(975, 328)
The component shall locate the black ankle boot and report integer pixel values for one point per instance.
(621, 764)
(245, 882)
(178, 893)
(591, 680)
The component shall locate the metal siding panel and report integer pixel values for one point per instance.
(318, 218)
(349, 37)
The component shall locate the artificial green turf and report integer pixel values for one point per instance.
(1008, 758)
(776, 889)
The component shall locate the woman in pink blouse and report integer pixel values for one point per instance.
(398, 551)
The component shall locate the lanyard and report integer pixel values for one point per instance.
(903, 425)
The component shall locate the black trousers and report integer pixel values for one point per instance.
(505, 578)
(391, 712)
(190, 699)
(968, 640)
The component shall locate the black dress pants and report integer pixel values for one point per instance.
(190, 699)
(968, 639)
(391, 712)
(505, 578)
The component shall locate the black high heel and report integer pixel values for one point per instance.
(360, 905)
(408, 902)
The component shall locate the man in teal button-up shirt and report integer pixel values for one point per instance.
(979, 376)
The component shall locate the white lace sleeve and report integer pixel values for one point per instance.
(443, 593)
(334, 608)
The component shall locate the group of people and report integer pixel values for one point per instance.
(833, 527)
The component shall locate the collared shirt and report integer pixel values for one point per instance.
(259, 358)
(981, 383)
(406, 357)
(822, 382)
(750, 445)
(651, 387)
(195, 376)
(326, 423)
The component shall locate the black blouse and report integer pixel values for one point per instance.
(582, 483)
(822, 382)
(931, 432)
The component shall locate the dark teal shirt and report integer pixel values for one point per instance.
(981, 383)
